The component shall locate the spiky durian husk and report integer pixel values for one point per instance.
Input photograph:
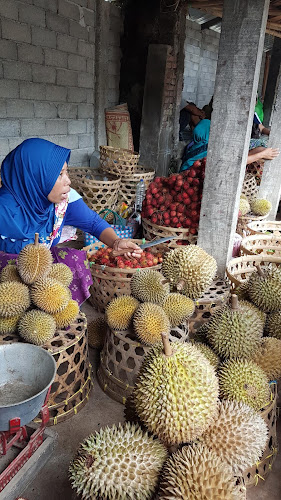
(245, 381)
(10, 273)
(97, 329)
(14, 298)
(242, 291)
(178, 308)
(273, 325)
(260, 206)
(176, 396)
(118, 463)
(150, 320)
(244, 206)
(62, 273)
(235, 333)
(119, 312)
(243, 196)
(238, 435)
(200, 334)
(37, 327)
(50, 295)
(191, 267)
(197, 473)
(9, 325)
(34, 262)
(208, 353)
(265, 291)
(268, 357)
(148, 285)
(67, 315)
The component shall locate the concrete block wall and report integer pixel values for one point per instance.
(47, 73)
(114, 55)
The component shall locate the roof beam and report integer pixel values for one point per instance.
(210, 23)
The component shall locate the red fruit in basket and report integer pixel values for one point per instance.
(179, 224)
(187, 201)
(179, 198)
(161, 199)
(162, 208)
(193, 213)
(173, 213)
(157, 195)
(173, 206)
(154, 219)
(195, 182)
(194, 197)
(150, 211)
(154, 203)
(158, 180)
(193, 231)
(204, 162)
(175, 220)
(167, 222)
(172, 178)
(196, 164)
(154, 190)
(192, 172)
(190, 191)
(193, 205)
(166, 215)
(181, 208)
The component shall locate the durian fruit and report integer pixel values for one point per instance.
(235, 331)
(238, 435)
(178, 308)
(8, 325)
(62, 273)
(14, 298)
(244, 206)
(10, 273)
(190, 269)
(273, 325)
(121, 463)
(176, 392)
(150, 320)
(148, 285)
(268, 357)
(243, 196)
(34, 262)
(242, 291)
(120, 311)
(208, 353)
(245, 381)
(37, 327)
(97, 329)
(67, 315)
(50, 295)
(265, 289)
(196, 473)
(260, 206)
(200, 334)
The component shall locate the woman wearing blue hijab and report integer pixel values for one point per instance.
(198, 149)
(35, 197)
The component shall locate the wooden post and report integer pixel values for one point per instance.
(270, 187)
(275, 61)
(239, 62)
(265, 75)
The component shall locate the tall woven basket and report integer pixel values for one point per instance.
(111, 282)
(239, 270)
(250, 187)
(153, 231)
(118, 161)
(261, 244)
(98, 190)
(265, 226)
(244, 221)
(260, 470)
(121, 359)
(128, 183)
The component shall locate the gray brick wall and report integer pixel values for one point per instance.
(47, 73)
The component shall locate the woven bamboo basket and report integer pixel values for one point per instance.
(129, 183)
(153, 231)
(73, 382)
(259, 471)
(121, 359)
(98, 190)
(250, 187)
(239, 270)
(111, 282)
(245, 220)
(215, 297)
(118, 161)
(261, 244)
(256, 169)
(265, 226)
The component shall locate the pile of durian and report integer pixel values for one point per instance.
(254, 206)
(35, 299)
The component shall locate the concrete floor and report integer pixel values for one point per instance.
(52, 481)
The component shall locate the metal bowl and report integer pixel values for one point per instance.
(26, 373)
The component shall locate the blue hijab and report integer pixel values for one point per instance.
(199, 147)
(28, 173)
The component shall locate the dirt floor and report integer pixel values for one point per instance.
(52, 481)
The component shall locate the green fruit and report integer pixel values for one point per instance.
(148, 285)
(67, 315)
(9, 325)
(150, 320)
(37, 327)
(14, 299)
(260, 206)
(50, 295)
(62, 273)
(10, 273)
(211, 356)
(268, 357)
(244, 206)
(34, 262)
(178, 308)
(273, 325)
(119, 312)
(265, 289)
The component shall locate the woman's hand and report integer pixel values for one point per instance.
(270, 153)
(127, 247)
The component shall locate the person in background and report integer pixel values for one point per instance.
(36, 197)
(189, 114)
(197, 149)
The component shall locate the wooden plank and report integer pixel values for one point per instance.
(270, 187)
(210, 23)
(240, 54)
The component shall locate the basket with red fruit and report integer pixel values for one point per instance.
(112, 275)
(172, 205)
(118, 161)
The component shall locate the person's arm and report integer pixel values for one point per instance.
(257, 154)
(195, 111)
(264, 130)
